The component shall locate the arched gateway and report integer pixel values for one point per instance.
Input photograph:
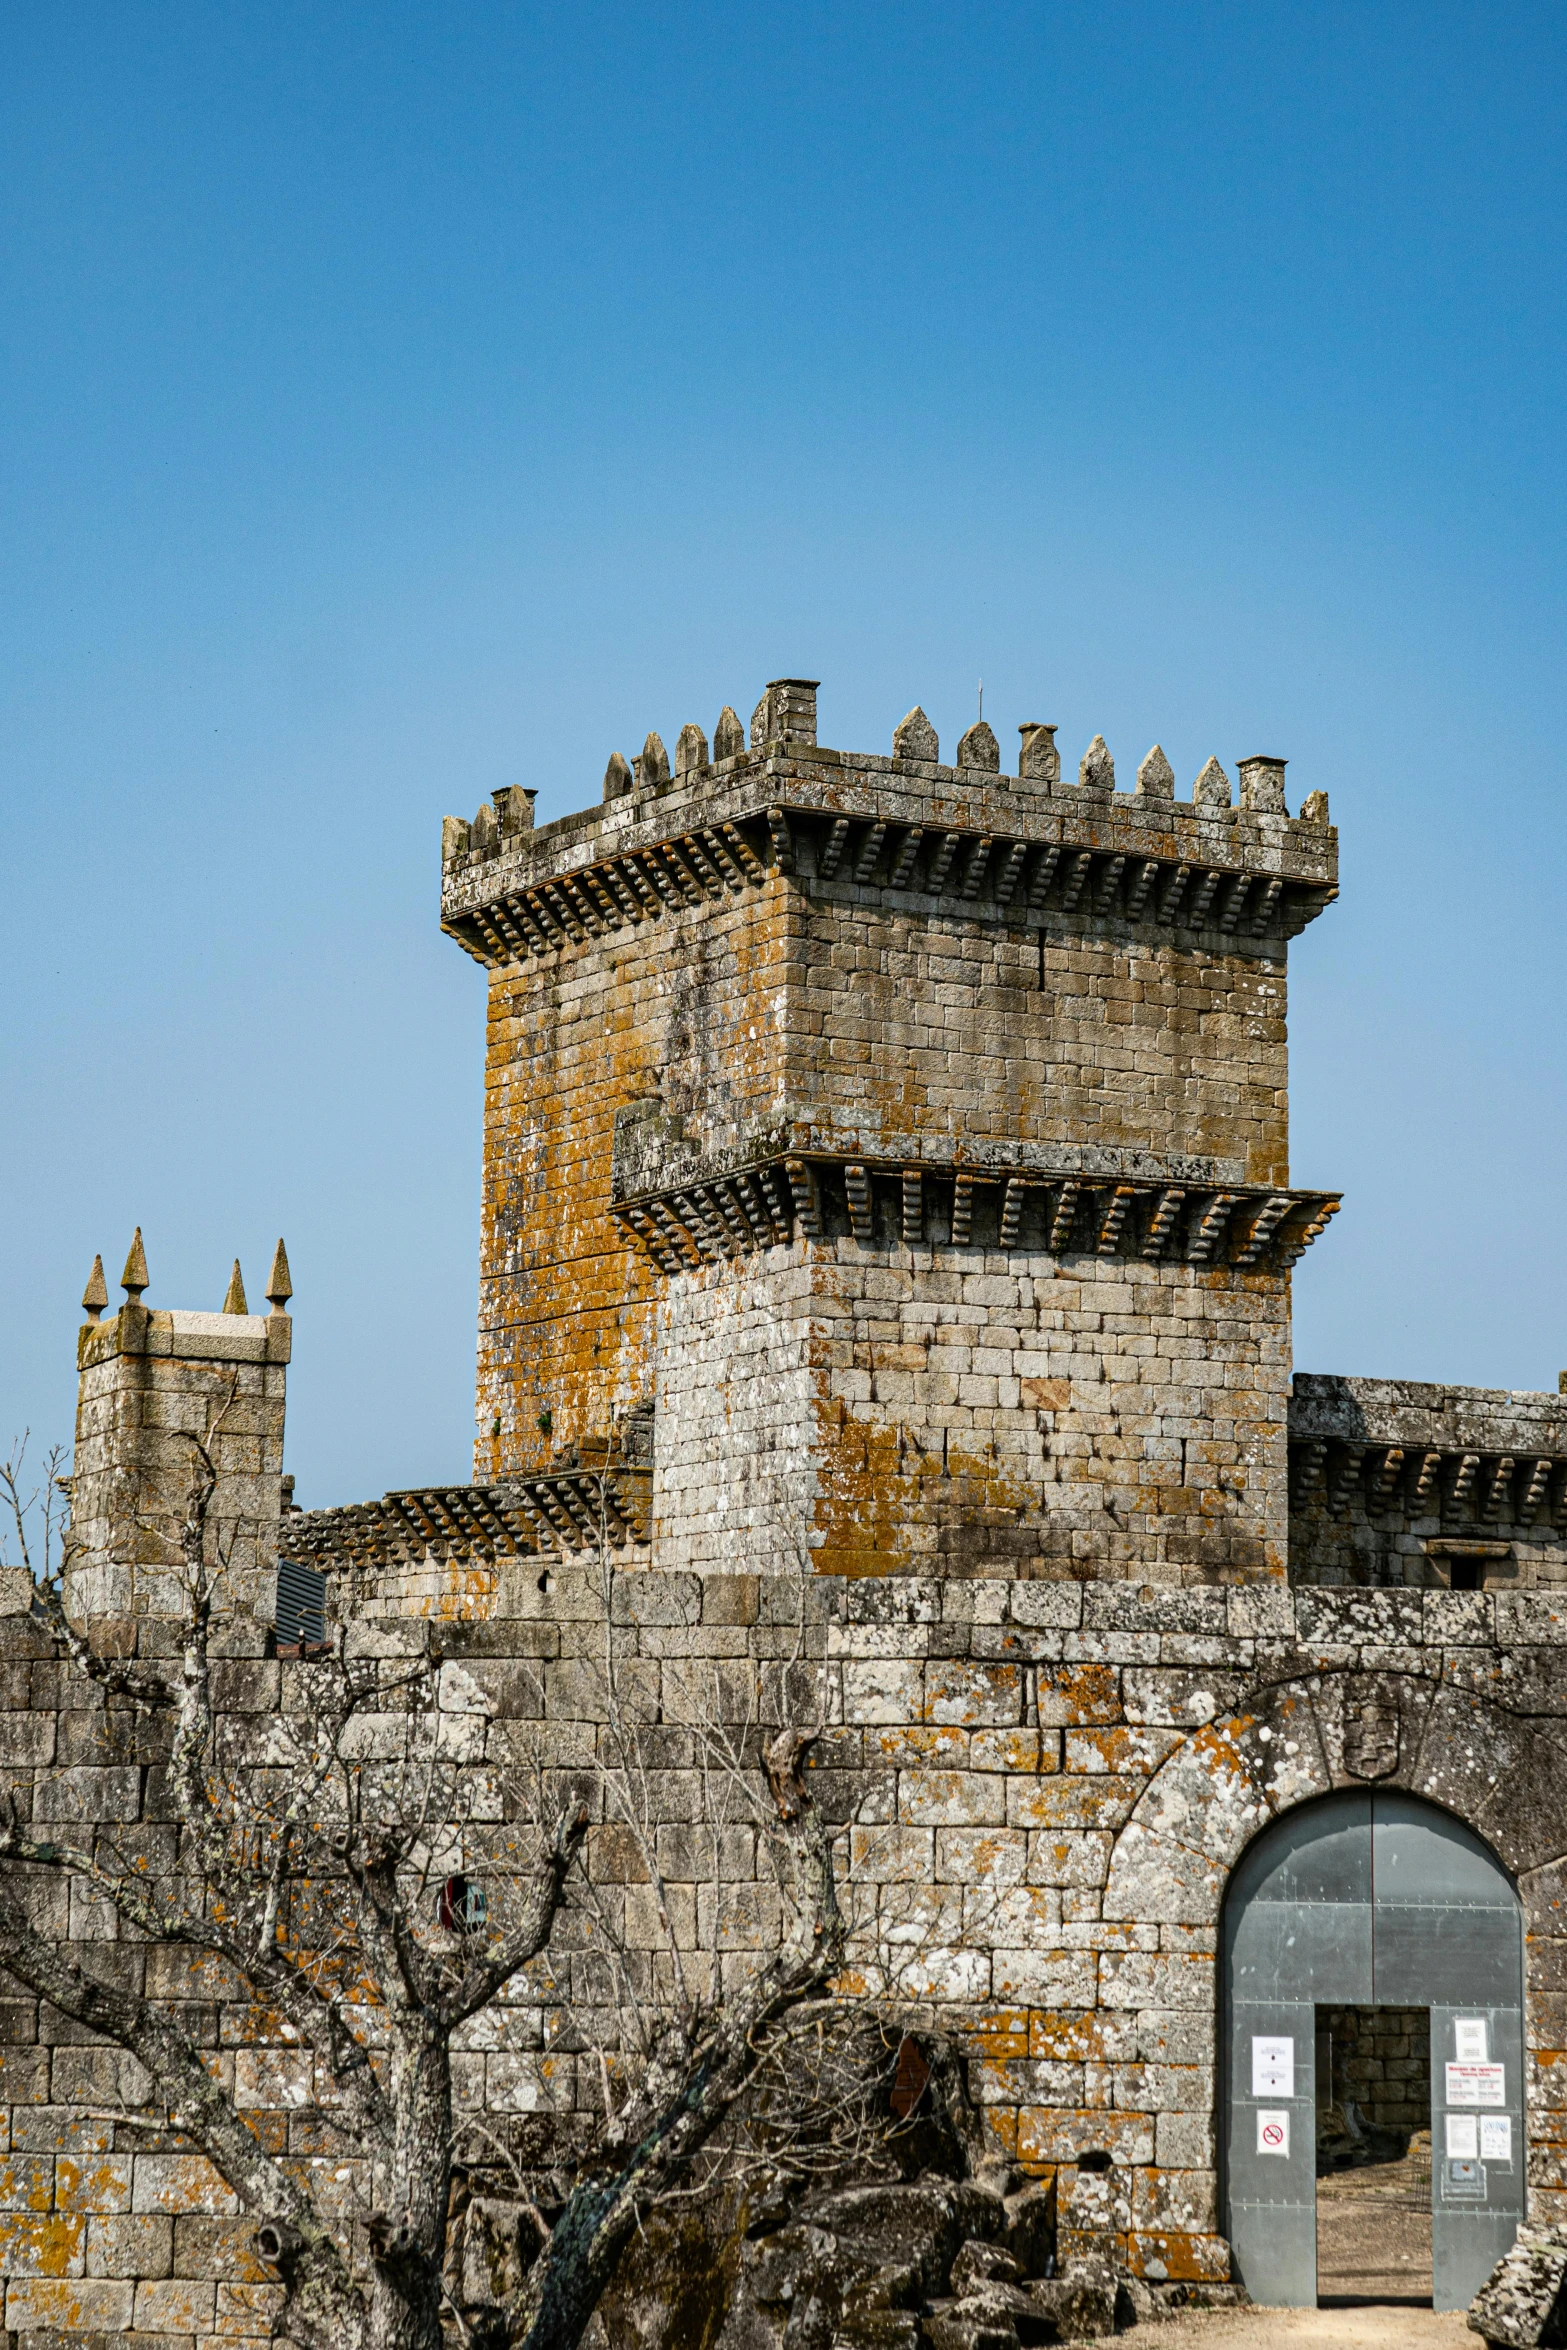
(1371, 1898)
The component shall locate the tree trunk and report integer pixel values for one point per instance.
(408, 2230)
(577, 2263)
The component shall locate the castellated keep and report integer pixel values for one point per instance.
(886, 1256)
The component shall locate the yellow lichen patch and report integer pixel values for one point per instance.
(90, 2182)
(1105, 1747)
(1001, 2035)
(918, 1744)
(1187, 2259)
(26, 2182)
(886, 1504)
(1069, 1694)
(1073, 2037)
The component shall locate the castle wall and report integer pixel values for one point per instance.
(1042, 1787)
(680, 1014)
(968, 1411)
(885, 1279)
(1399, 1481)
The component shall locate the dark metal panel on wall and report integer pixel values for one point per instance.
(1449, 1937)
(1297, 1928)
(1362, 1899)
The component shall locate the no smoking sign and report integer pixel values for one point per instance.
(1273, 2133)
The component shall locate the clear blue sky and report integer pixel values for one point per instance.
(399, 402)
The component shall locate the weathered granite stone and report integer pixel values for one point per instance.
(1523, 2302)
(1156, 777)
(914, 737)
(1097, 772)
(1212, 788)
(1038, 759)
(979, 748)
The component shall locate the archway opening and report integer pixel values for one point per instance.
(1373, 2144)
(1370, 1901)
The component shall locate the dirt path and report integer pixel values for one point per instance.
(1374, 2229)
(1376, 2327)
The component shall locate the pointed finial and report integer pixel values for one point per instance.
(280, 1287)
(914, 737)
(234, 1303)
(1212, 788)
(95, 1296)
(653, 766)
(1097, 772)
(134, 1278)
(728, 735)
(617, 777)
(690, 749)
(1156, 777)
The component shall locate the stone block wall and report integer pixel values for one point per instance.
(672, 1015)
(149, 1381)
(972, 1411)
(1399, 1481)
(1041, 1787)
(910, 1031)
(1381, 2058)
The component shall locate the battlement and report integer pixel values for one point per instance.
(1007, 847)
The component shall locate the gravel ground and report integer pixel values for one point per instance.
(1382, 2326)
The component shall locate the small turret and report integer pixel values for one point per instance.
(150, 1381)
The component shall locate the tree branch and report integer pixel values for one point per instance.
(196, 2102)
(486, 1976)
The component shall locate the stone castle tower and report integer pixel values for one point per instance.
(1009, 1051)
(886, 1260)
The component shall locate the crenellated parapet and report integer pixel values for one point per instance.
(1007, 848)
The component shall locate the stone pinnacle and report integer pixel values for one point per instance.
(234, 1303)
(280, 1287)
(134, 1278)
(95, 1296)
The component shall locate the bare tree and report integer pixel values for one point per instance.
(323, 1872)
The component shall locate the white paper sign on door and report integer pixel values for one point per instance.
(1476, 2084)
(1469, 2039)
(1496, 2137)
(1463, 2137)
(1272, 2067)
(1273, 2133)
